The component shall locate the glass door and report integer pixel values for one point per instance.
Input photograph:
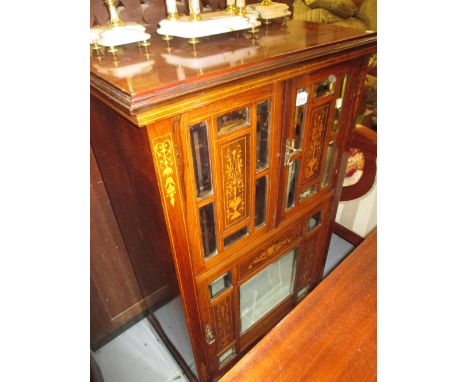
(229, 180)
(315, 105)
(266, 290)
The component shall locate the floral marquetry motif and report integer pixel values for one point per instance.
(252, 263)
(309, 248)
(319, 122)
(269, 251)
(164, 153)
(234, 174)
(223, 319)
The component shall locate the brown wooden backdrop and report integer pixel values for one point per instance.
(150, 12)
(120, 296)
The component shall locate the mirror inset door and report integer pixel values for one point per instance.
(313, 126)
(229, 173)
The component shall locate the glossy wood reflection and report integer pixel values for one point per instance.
(141, 75)
(331, 336)
(200, 159)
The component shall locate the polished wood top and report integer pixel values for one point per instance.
(137, 78)
(330, 336)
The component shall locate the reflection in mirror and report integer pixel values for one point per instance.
(226, 356)
(264, 291)
(326, 87)
(235, 236)
(299, 116)
(233, 120)
(314, 220)
(263, 124)
(308, 193)
(339, 105)
(201, 158)
(330, 154)
(354, 167)
(207, 228)
(260, 200)
(221, 283)
(302, 292)
(291, 184)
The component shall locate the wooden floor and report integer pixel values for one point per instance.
(330, 336)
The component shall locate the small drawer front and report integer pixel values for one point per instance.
(261, 256)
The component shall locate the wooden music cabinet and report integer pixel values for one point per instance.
(228, 160)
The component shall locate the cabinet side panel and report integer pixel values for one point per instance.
(115, 294)
(124, 158)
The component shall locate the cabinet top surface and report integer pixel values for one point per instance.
(137, 75)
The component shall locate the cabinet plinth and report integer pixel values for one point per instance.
(230, 160)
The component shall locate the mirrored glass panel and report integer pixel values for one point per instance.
(339, 105)
(233, 120)
(220, 284)
(292, 183)
(201, 159)
(302, 292)
(326, 87)
(207, 228)
(235, 236)
(260, 200)
(308, 193)
(269, 287)
(299, 116)
(314, 220)
(263, 125)
(226, 356)
(330, 155)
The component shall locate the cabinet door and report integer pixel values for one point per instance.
(313, 124)
(229, 168)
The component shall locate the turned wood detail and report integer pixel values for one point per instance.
(147, 12)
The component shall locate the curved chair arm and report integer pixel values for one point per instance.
(365, 140)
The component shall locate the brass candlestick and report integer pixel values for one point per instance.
(231, 9)
(172, 16)
(194, 6)
(241, 11)
(240, 5)
(114, 19)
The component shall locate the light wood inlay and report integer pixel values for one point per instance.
(223, 319)
(235, 175)
(319, 123)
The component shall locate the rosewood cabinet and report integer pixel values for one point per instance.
(230, 159)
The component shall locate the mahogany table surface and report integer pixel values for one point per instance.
(138, 76)
(330, 336)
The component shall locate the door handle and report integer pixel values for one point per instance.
(290, 151)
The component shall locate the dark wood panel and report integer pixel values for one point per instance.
(330, 336)
(126, 278)
(114, 287)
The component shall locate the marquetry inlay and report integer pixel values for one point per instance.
(253, 262)
(234, 175)
(317, 136)
(223, 320)
(269, 251)
(164, 152)
(308, 249)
